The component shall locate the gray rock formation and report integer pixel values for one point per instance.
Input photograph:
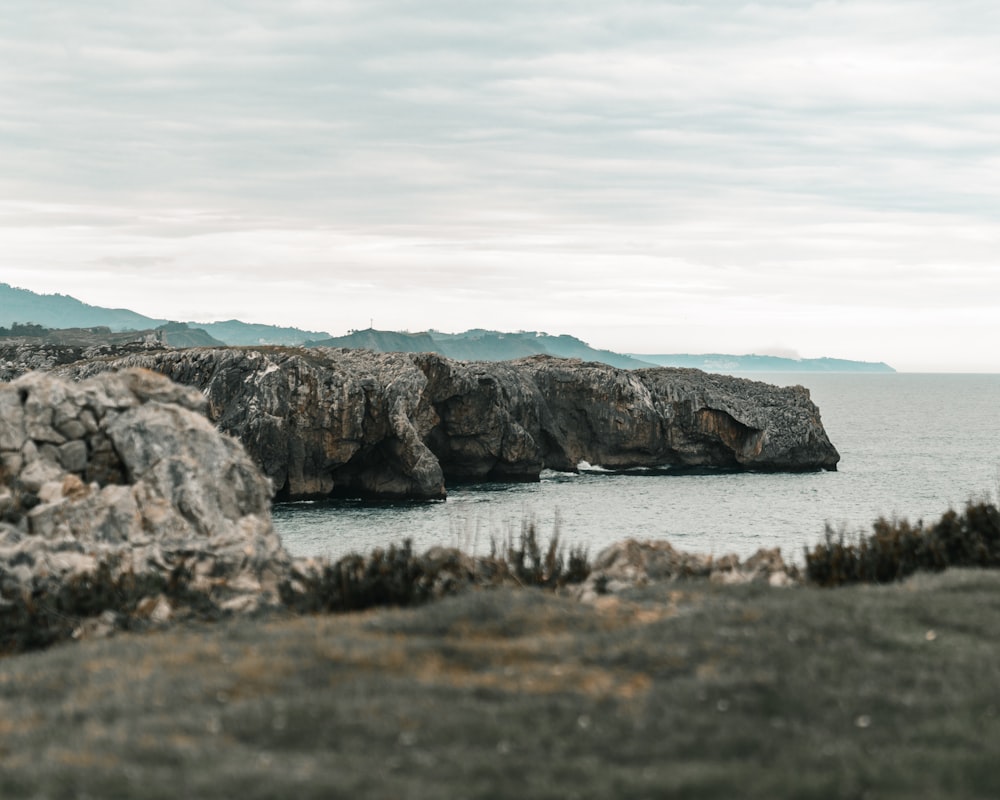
(122, 506)
(119, 498)
(399, 425)
(631, 563)
(21, 355)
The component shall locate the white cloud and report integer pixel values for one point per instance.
(695, 175)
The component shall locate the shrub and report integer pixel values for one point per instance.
(398, 577)
(393, 577)
(529, 566)
(896, 548)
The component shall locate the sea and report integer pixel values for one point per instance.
(911, 445)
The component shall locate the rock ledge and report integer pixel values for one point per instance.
(323, 421)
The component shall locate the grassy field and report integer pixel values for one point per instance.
(681, 690)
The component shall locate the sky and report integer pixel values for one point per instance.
(783, 177)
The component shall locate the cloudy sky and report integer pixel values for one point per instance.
(782, 176)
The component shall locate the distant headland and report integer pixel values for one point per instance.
(27, 313)
(717, 362)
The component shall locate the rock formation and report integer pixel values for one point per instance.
(630, 563)
(122, 506)
(21, 355)
(118, 497)
(400, 425)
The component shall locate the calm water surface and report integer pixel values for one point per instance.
(911, 445)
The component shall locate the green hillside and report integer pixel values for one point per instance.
(63, 311)
(235, 332)
(60, 311)
(381, 342)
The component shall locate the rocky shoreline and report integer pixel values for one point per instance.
(388, 426)
(123, 507)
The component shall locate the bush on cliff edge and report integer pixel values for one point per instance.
(897, 548)
(400, 577)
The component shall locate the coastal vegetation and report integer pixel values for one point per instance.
(397, 576)
(678, 689)
(25, 329)
(896, 548)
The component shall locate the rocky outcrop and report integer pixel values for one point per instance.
(123, 507)
(675, 417)
(120, 501)
(21, 355)
(400, 425)
(316, 425)
(632, 563)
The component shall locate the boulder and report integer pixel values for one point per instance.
(120, 502)
(326, 421)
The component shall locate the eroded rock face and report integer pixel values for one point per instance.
(120, 485)
(399, 425)
(316, 424)
(122, 506)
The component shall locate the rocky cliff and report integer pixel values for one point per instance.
(399, 425)
(123, 507)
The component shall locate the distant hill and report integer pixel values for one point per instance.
(179, 334)
(235, 332)
(717, 362)
(479, 345)
(173, 334)
(380, 342)
(60, 311)
(63, 311)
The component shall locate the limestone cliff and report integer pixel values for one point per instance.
(123, 507)
(400, 425)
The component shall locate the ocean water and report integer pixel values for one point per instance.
(911, 445)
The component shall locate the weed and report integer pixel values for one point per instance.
(525, 561)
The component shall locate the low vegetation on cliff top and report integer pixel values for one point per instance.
(679, 688)
(897, 548)
(689, 689)
(399, 577)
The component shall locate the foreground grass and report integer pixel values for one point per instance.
(686, 689)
